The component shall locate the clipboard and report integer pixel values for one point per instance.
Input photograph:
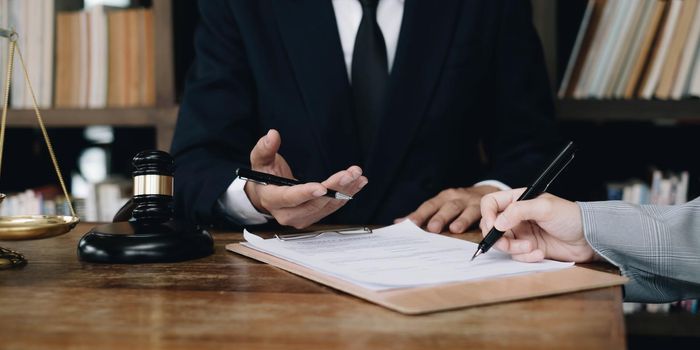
(428, 299)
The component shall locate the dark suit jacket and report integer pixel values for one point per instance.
(466, 73)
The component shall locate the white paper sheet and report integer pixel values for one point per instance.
(397, 256)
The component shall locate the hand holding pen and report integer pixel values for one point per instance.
(298, 205)
(269, 179)
(547, 227)
(539, 186)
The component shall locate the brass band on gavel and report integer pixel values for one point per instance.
(153, 184)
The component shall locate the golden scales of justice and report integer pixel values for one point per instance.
(26, 227)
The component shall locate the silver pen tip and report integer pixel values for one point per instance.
(477, 253)
(342, 196)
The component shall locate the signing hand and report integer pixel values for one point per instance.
(458, 207)
(300, 205)
(544, 227)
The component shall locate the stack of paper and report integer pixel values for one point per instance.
(397, 256)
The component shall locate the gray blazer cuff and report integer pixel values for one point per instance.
(642, 242)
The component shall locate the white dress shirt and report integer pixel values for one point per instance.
(348, 15)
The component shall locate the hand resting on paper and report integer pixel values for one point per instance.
(545, 227)
(301, 205)
(456, 208)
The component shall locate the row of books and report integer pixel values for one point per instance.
(635, 49)
(95, 58)
(44, 201)
(685, 306)
(34, 21)
(665, 189)
(92, 202)
(98, 202)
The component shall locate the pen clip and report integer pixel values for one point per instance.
(251, 180)
(559, 172)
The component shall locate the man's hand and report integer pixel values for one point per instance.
(544, 227)
(458, 207)
(300, 205)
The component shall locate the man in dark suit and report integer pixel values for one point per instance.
(424, 99)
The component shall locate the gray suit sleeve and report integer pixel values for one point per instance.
(656, 247)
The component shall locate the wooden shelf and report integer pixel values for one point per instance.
(161, 118)
(83, 117)
(686, 111)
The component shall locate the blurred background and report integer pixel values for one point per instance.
(625, 75)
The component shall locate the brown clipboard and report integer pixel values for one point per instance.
(421, 300)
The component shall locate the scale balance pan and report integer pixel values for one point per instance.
(24, 227)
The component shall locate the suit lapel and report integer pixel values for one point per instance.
(427, 30)
(310, 36)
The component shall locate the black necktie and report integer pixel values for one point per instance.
(369, 74)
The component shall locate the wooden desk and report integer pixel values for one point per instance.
(58, 302)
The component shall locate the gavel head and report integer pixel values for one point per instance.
(153, 187)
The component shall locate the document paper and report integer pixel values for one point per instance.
(397, 256)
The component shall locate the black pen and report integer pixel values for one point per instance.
(540, 185)
(265, 179)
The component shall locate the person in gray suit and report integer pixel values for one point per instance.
(657, 247)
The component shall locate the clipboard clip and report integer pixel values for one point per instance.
(307, 235)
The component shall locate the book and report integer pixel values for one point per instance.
(683, 74)
(660, 53)
(672, 61)
(608, 41)
(18, 9)
(613, 67)
(131, 80)
(665, 189)
(132, 56)
(640, 61)
(579, 50)
(32, 49)
(580, 91)
(83, 60)
(116, 86)
(148, 95)
(98, 57)
(614, 41)
(68, 60)
(33, 21)
(694, 80)
(681, 193)
(112, 194)
(646, 11)
(46, 56)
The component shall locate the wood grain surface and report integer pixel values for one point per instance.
(229, 301)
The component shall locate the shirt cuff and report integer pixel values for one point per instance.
(495, 183)
(236, 204)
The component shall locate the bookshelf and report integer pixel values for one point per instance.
(134, 37)
(619, 137)
(162, 116)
